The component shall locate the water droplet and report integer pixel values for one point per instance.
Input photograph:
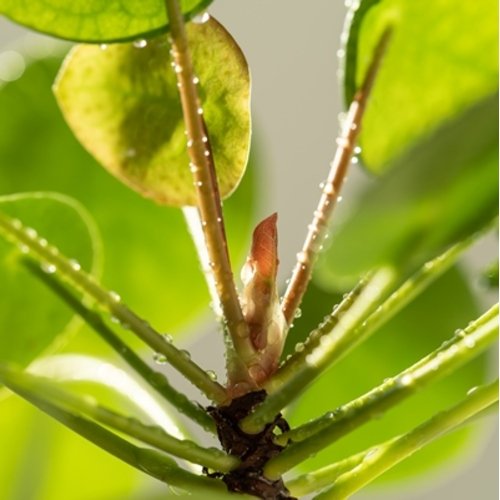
(24, 249)
(460, 333)
(193, 168)
(341, 53)
(159, 358)
(196, 80)
(472, 390)
(115, 320)
(48, 268)
(75, 265)
(321, 185)
(103, 46)
(212, 375)
(299, 347)
(198, 183)
(357, 150)
(186, 354)
(354, 160)
(201, 18)
(43, 242)
(114, 297)
(339, 199)
(302, 257)
(190, 143)
(469, 342)
(140, 44)
(31, 233)
(298, 313)
(199, 111)
(168, 338)
(207, 152)
(406, 380)
(204, 139)
(178, 68)
(16, 224)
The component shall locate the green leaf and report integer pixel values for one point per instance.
(435, 194)
(123, 105)
(410, 335)
(150, 258)
(443, 57)
(31, 321)
(96, 21)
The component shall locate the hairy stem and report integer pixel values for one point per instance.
(149, 461)
(319, 359)
(52, 261)
(321, 433)
(156, 380)
(388, 455)
(205, 182)
(331, 189)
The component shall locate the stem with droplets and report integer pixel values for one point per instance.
(321, 433)
(53, 261)
(331, 189)
(207, 192)
(156, 380)
(390, 454)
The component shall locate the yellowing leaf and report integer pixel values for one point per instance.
(122, 103)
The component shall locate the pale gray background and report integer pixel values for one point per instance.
(291, 46)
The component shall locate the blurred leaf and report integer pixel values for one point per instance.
(112, 386)
(443, 57)
(59, 464)
(418, 329)
(30, 319)
(123, 104)
(150, 258)
(98, 20)
(436, 193)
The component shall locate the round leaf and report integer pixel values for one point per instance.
(150, 259)
(414, 332)
(123, 105)
(454, 64)
(96, 20)
(31, 320)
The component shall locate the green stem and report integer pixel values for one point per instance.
(388, 455)
(291, 384)
(156, 380)
(332, 187)
(149, 461)
(52, 261)
(207, 191)
(155, 436)
(420, 280)
(318, 434)
(326, 476)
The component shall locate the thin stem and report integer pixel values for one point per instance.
(152, 435)
(291, 384)
(205, 182)
(420, 280)
(53, 261)
(326, 476)
(388, 455)
(155, 379)
(321, 433)
(331, 190)
(149, 461)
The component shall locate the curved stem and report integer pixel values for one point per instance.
(321, 433)
(388, 455)
(205, 182)
(155, 436)
(331, 189)
(148, 461)
(52, 261)
(155, 379)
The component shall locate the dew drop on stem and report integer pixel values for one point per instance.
(48, 268)
(212, 375)
(201, 18)
(160, 359)
(140, 44)
(114, 297)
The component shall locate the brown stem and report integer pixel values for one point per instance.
(331, 189)
(205, 182)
